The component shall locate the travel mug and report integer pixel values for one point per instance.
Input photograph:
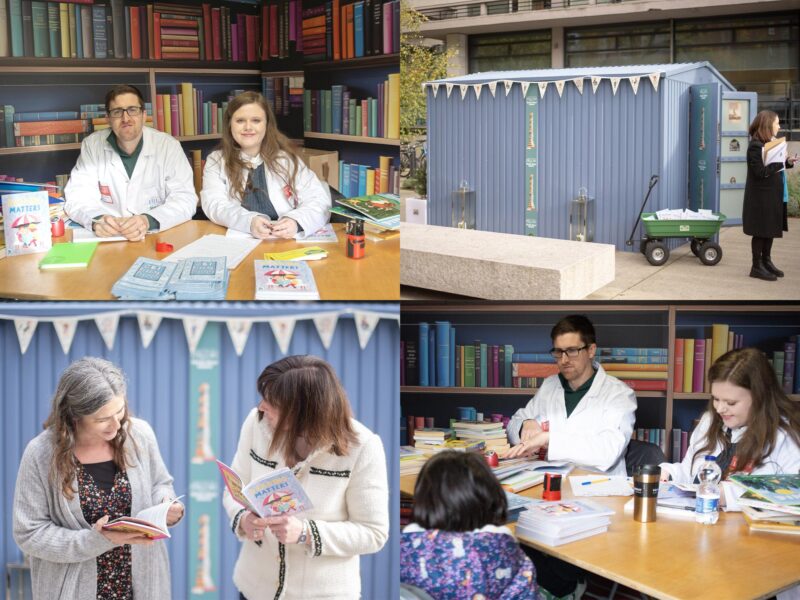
(645, 492)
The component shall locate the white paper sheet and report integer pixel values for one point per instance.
(232, 248)
(600, 485)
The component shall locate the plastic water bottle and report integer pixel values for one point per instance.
(706, 508)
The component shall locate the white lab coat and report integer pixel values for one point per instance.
(219, 204)
(596, 434)
(162, 184)
(785, 458)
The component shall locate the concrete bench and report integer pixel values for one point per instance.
(500, 266)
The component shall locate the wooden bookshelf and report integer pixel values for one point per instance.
(497, 391)
(352, 138)
(34, 149)
(378, 60)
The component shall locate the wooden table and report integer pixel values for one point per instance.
(675, 558)
(374, 277)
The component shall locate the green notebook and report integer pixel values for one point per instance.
(68, 256)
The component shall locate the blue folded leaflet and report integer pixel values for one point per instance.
(189, 279)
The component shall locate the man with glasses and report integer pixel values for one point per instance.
(582, 415)
(130, 179)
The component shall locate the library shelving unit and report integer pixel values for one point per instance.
(527, 328)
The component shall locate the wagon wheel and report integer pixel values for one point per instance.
(695, 245)
(643, 245)
(710, 253)
(657, 253)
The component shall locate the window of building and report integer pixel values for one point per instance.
(615, 45)
(508, 51)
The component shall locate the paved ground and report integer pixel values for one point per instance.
(684, 277)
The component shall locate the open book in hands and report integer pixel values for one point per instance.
(272, 495)
(151, 522)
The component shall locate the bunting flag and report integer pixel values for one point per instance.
(578, 81)
(365, 325)
(614, 84)
(634, 83)
(525, 85)
(326, 327)
(239, 330)
(478, 87)
(463, 89)
(25, 330)
(560, 87)
(107, 326)
(65, 330)
(435, 89)
(654, 78)
(492, 87)
(508, 85)
(194, 328)
(542, 88)
(148, 325)
(282, 329)
(449, 87)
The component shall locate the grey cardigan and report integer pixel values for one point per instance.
(63, 547)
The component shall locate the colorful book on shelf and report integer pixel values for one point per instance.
(151, 522)
(275, 494)
(284, 280)
(68, 256)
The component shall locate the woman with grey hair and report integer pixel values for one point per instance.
(93, 462)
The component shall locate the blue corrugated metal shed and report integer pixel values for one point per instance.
(610, 143)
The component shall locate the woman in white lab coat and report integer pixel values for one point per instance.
(256, 183)
(750, 425)
(113, 195)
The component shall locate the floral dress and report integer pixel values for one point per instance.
(114, 577)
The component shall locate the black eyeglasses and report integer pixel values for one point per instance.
(133, 111)
(557, 353)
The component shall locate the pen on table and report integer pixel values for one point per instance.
(595, 481)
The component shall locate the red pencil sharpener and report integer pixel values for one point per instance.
(552, 486)
(492, 459)
(57, 228)
(356, 243)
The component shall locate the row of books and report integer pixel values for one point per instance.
(283, 92)
(657, 436)
(694, 357)
(113, 29)
(186, 112)
(25, 129)
(337, 111)
(335, 30)
(363, 180)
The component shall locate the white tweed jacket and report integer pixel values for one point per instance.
(350, 517)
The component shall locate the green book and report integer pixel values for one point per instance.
(41, 31)
(68, 256)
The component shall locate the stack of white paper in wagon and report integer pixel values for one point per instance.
(199, 278)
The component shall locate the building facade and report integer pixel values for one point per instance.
(755, 45)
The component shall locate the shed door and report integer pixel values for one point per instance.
(738, 111)
(704, 146)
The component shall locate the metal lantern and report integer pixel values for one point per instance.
(581, 217)
(463, 207)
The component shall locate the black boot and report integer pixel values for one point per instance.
(759, 271)
(771, 267)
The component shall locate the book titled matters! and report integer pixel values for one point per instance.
(26, 221)
(272, 495)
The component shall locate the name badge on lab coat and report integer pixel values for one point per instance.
(105, 194)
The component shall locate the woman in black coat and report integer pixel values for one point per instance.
(765, 196)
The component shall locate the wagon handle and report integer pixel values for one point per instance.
(652, 184)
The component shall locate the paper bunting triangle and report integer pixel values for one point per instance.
(634, 83)
(578, 81)
(524, 85)
(508, 85)
(560, 87)
(65, 330)
(449, 87)
(194, 328)
(477, 87)
(107, 326)
(148, 325)
(492, 87)
(239, 330)
(326, 327)
(282, 329)
(654, 79)
(542, 88)
(595, 84)
(464, 88)
(435, 87)
(25, 330)
(365, 325)
(614, 84)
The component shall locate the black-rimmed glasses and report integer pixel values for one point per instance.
(557, 353)
(133, 111)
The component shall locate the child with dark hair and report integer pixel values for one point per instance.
(457, 545)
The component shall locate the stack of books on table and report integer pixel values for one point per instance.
(517, 504)
(431, 438)
(563, 521)
(493, 435)
(519, 474)
(378, 211)
(770, 502)
(284, 280)
(188, 279)
(411, 460)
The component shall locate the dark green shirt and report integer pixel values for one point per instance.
(129, 162)
(573, 397)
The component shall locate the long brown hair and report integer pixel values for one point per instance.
(771, 408)
(312, 405)
(274, 146)
(84, 388)
(761, 127)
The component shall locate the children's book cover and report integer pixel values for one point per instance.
(284, 279)
(378, 207)
(26, 222)
(780, 489)
(272, 495)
